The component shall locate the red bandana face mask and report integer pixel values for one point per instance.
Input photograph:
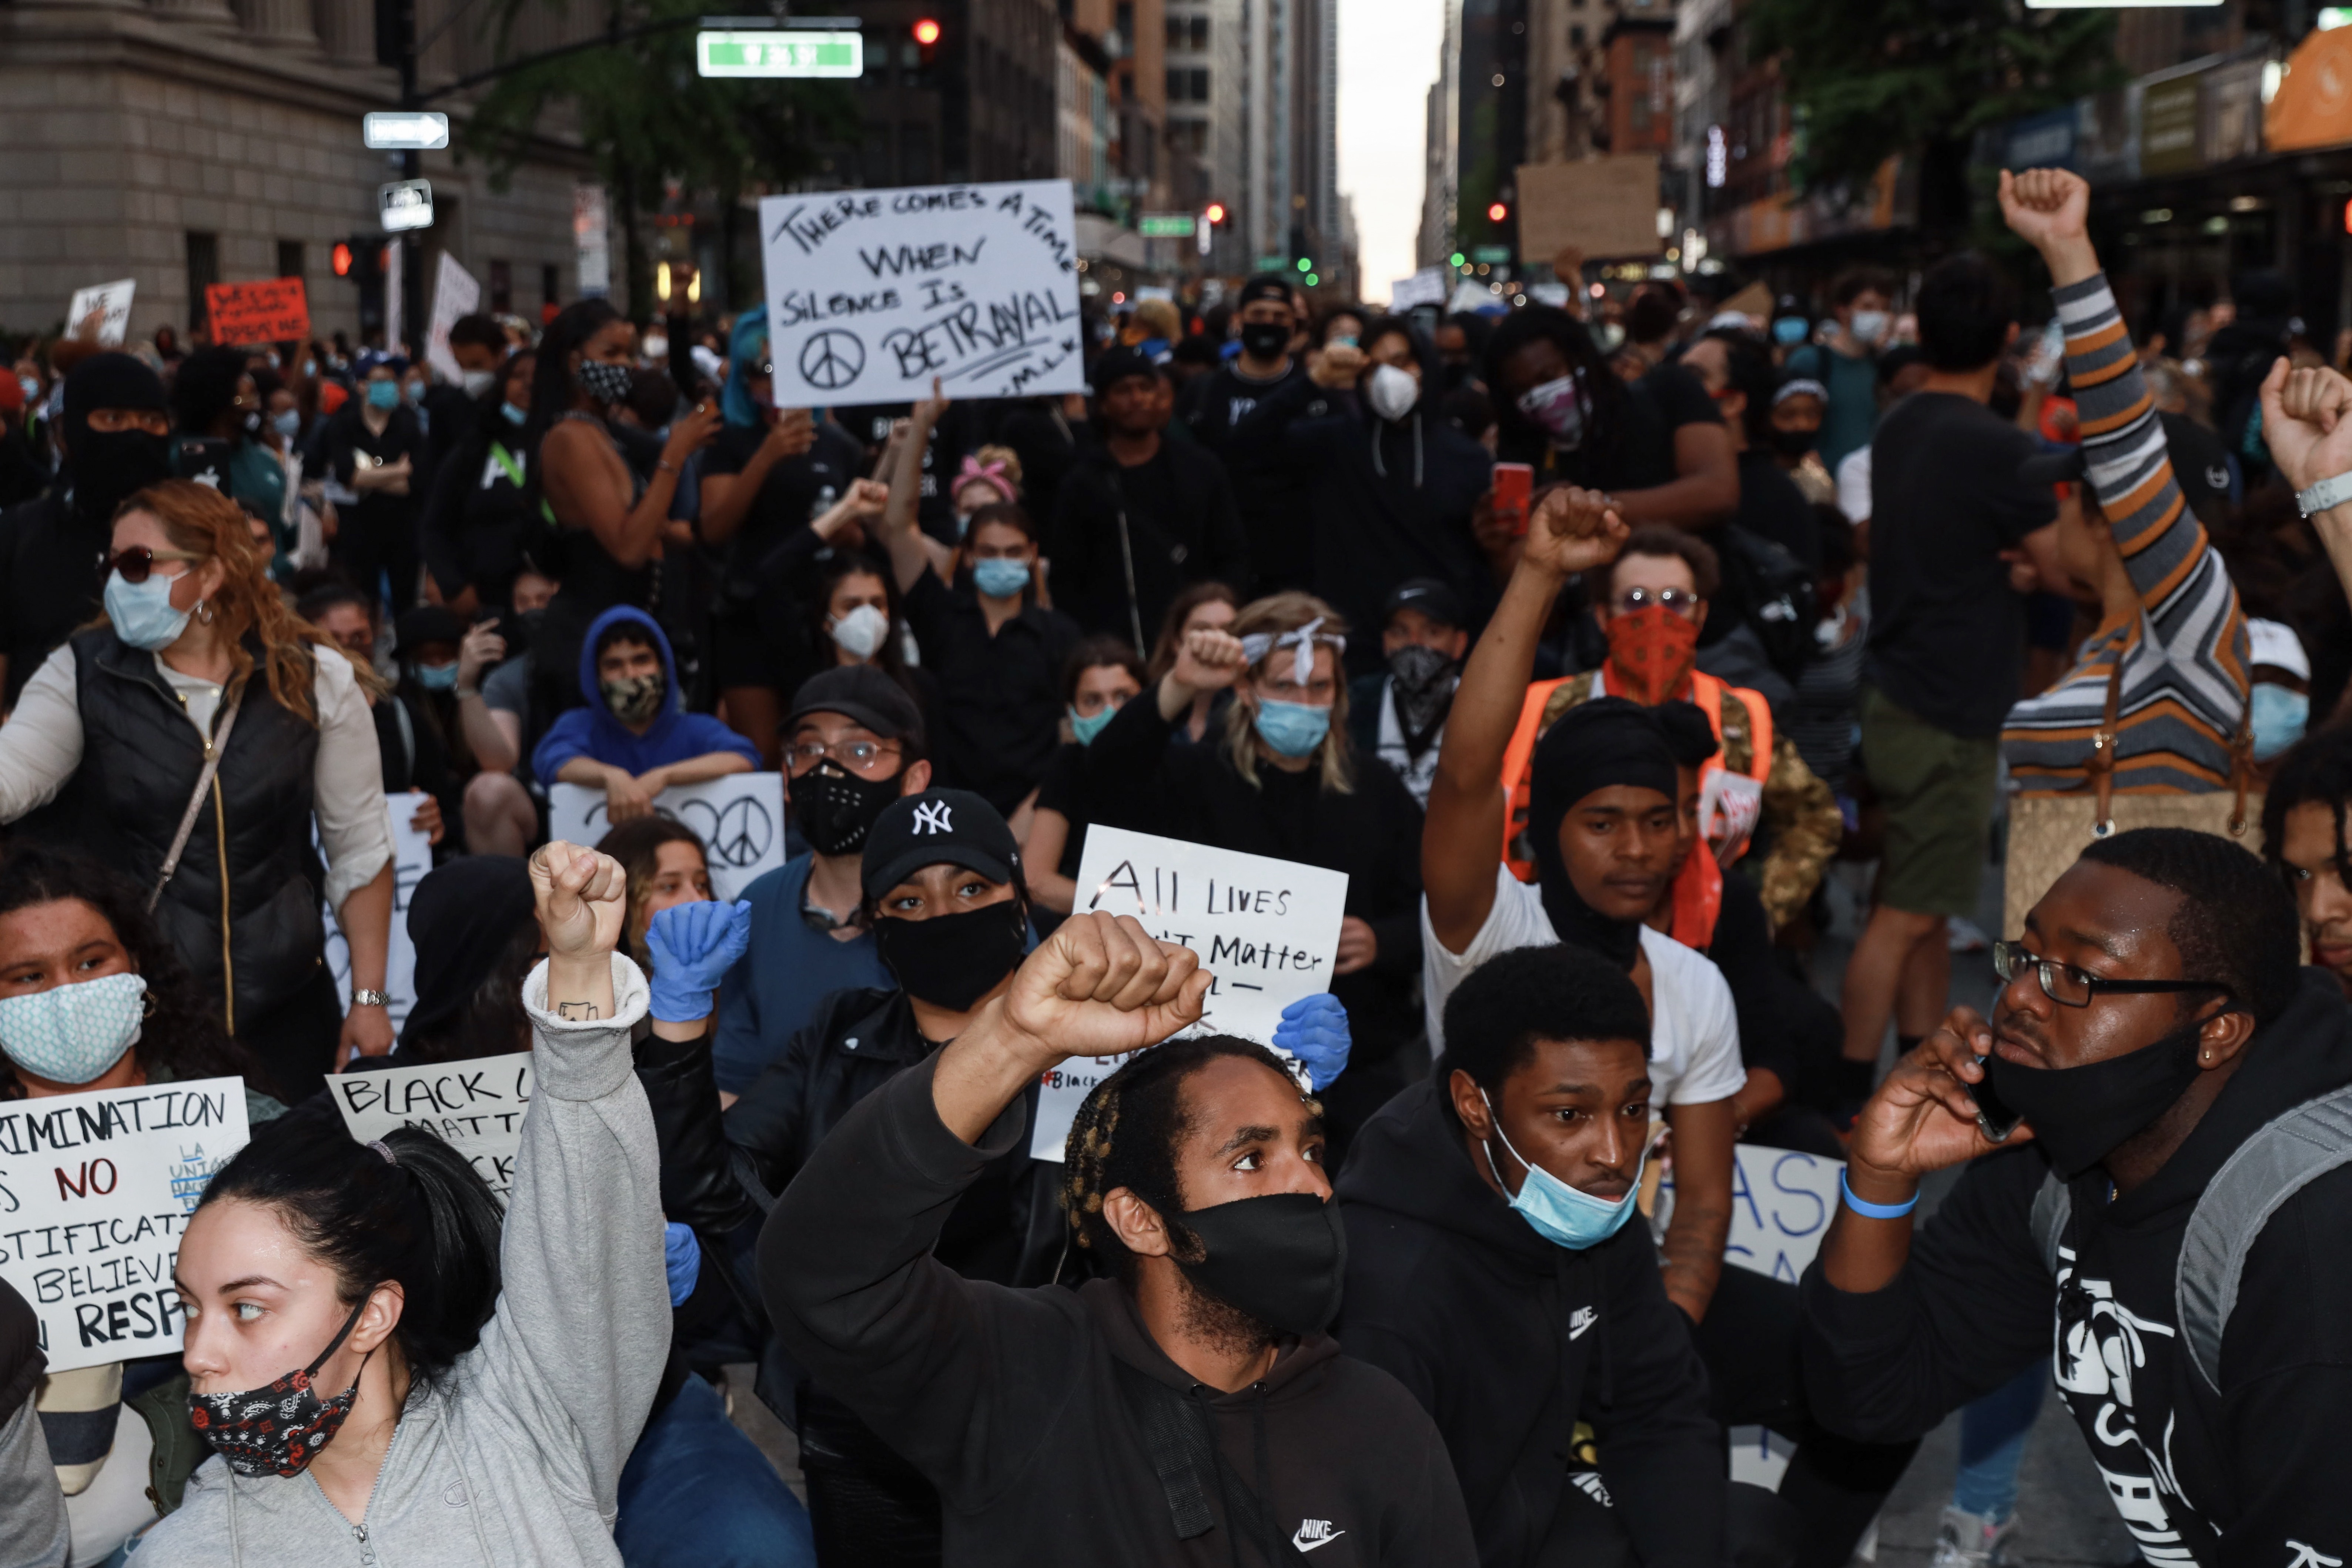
(279, 1429)
(1651, 652)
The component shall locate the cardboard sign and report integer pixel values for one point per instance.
(273, 310)
(95, 1190)
(476, 1107)
(739, 819)
(1605, 208)
(1268, 930)
(102, 312)
(873, 293)
(455, 293)
(412, 857)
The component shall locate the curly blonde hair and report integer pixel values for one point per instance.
(1277, 614)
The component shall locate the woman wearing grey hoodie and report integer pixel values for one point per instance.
(371, 1391)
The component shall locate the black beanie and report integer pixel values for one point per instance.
(1593, 746)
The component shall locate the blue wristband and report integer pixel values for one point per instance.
(1873, 1211)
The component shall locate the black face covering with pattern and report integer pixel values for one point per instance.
(279, 1429)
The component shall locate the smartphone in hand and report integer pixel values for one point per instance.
(1995, 1120)
(1515, 483)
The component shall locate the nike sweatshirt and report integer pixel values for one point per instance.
(1035, 1412)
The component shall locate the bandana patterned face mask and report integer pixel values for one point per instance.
(607, 384)
(279, 1429)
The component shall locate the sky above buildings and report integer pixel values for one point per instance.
(1388, 58)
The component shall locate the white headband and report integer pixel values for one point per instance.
(1801, 386)
(1258, 645)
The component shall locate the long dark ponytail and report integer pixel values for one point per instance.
(422, 1217)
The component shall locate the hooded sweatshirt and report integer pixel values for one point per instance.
(1019, 1404)
(592, 733)
(2252, 1475)
(1509, 1340)
(514, 1456)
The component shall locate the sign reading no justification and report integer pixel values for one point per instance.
(873, 293)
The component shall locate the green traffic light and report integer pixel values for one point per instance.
(1458, 259)
(1306, 265)
(1312, 280)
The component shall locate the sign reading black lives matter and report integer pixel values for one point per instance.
(872, 293)
(95, 1190)
(476, 1107)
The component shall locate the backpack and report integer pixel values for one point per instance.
(2285, 1154)
(1772, 591)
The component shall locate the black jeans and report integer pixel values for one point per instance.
(1748, 1342)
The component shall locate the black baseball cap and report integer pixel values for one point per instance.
(1432, 597)
(938, 826)
(1118, 364)
(428, 624)
(863, 693)
(1266, 286)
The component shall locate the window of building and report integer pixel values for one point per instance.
(1200, 84)
(1123, 20)
(1576, 38)
(1200, 30)
(1175, 85)
(290, 258)
(501, 287)
(1175, 32)
(203, 269)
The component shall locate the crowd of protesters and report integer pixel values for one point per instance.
(1588, 642)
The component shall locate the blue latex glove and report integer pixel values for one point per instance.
(692, 946)
(681, 1260)
(1315, 1030)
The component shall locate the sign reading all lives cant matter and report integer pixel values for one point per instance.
(95, 1190)
(873, 293)
(1268, 930)
(476, 1107)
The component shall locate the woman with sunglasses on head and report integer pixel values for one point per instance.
(187, 742)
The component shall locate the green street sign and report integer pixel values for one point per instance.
(780, 53)
(1165, 225)
(1272, 263)
(1490, 252)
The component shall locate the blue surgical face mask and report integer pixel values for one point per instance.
(383, 394)
(1789, 330)
(999, 578)
(514, 415)
(437, 677)
(1088, 727)
(1292, 729)
(1558, 1212)
(72, 1033)
(2280, 717)
(143, 613)
(288, 423)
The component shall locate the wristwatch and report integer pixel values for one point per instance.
(371, 998)
(2327, 493)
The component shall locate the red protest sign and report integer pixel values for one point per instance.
(270, 310)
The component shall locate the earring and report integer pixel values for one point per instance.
(204, 613)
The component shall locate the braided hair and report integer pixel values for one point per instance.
(1126, 1134)
(2235, 923)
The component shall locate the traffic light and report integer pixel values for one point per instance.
(927, 32)
(1307, 263)
(359, 259)
(1498, 213)
(342, 257)
(1216, 214)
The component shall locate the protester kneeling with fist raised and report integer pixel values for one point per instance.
(1155, 1417)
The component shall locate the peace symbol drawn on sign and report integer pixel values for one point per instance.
(832, 359)
(737, 833)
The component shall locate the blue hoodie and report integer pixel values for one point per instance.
(592, 733)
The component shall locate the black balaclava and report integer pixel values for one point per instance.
(1594, 746)
(108, 469)
(460, 917)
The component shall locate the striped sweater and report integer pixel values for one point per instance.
(2184, 688)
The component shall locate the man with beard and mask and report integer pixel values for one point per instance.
(636, 738)
(1399, 715)
(1392, 486)
(2176, 1231)
(1653, 608)
(1273, 503)
(1160, 1416)
(53, 550)
(854, 743)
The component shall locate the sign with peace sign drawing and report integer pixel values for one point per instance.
(873, 293)
(739, 819)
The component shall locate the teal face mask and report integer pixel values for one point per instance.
(1558, 1212)
(1086, 729)
(437, 677)
(999, 578)
(1292, 729)
(514, 415)
(383, 394)
(2280, 719)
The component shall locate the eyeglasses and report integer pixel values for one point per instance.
(2072, 987)
(137, 561)
(858, 755)
(1678, 601)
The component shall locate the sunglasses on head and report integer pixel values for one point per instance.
(137, 561)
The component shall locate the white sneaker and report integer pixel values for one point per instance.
(1971, 1541)
(1966, 936)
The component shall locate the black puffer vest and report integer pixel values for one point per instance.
(243, 907)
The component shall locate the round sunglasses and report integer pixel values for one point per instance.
(136, 562)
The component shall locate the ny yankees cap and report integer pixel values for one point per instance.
(938, 826)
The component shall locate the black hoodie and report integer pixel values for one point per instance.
(2253, 1476)
(1017, 1404)
(1509, 1341)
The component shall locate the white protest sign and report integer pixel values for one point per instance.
(474, 1107)
(455, 293)
(395, 295)
(412, 857)
(102, 312)
(1426, 286)
(739, 819)
(872, 293)
(95, 1189)
(1268, 930)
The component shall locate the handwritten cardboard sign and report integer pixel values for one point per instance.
(739, 819)
(95, 1190)
(100, 313)
(1268, 930)
(872, 293)
(476, 1107)
(1605, 208)
(412, 857)
(271, 310)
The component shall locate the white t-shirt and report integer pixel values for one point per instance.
(1694, 1033)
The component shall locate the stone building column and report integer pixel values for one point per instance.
(196, 13)
(284, 23)
(347, 29)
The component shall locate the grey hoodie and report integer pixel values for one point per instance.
(514, 1457)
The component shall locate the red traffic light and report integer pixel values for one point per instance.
(1498, 213)
(1216, 213)
(927, 32)
(342, 259)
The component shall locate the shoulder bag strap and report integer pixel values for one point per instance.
(2102, 765)
(214, 749)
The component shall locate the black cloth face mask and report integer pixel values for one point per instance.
(108, 468)
(1423, 680)
(1282, 1258)
(838, 808)
(1265, 340)
(279, 1429)
(952, 961)
(2080, 1115)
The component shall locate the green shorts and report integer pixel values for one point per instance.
(1937, 789)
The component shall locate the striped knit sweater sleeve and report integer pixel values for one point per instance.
(2184, 689)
